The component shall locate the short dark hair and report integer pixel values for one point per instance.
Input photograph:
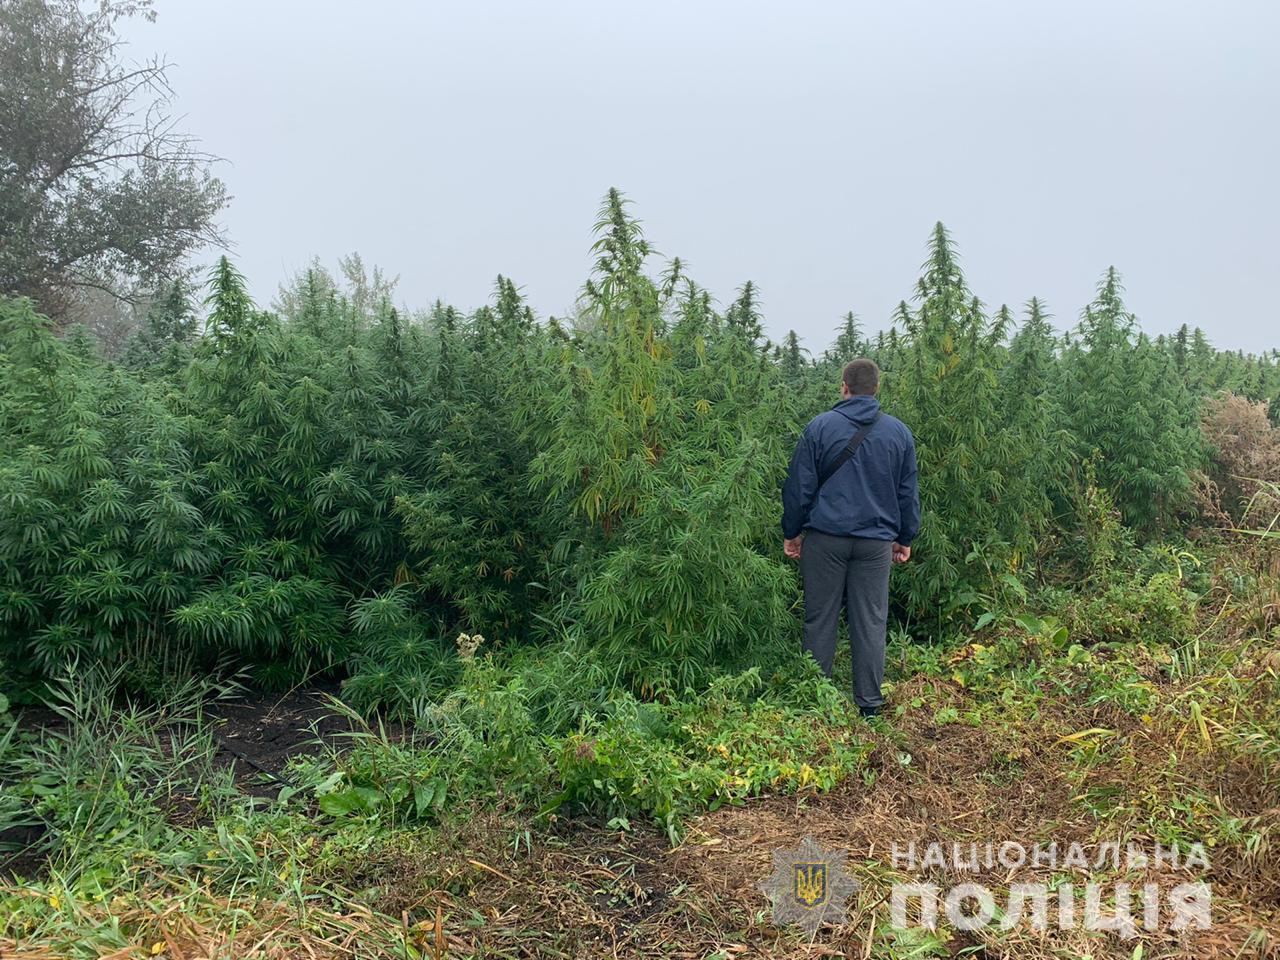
(862, 377)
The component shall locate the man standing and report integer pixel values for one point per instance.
(850, 508)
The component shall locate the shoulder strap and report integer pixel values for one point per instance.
(849, 450)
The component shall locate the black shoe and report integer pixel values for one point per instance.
(869, 712)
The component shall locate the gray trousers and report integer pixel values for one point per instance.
(853, 573)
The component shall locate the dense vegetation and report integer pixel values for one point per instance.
(337, 487)
(550, 551)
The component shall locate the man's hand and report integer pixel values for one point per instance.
(792, 547)
(901, 554)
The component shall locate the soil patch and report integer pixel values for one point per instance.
(258, 732)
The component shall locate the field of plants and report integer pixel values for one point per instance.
(330, 629)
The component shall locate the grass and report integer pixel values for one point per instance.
(529, 815)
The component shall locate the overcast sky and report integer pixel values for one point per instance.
(806, 146)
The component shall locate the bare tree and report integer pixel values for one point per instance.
(98, 189)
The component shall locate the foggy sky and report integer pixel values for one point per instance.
(806, 146)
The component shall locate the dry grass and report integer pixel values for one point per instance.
(586, 892)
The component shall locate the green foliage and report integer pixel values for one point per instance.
(735, 741)
(1121, 398)
(668, 447)
(477, 539)
(162, 346)
(401, 662)
(105, 776)
(980, 496)
(340, 487)
(1169, 733)
(550, 730)
(1156, 608)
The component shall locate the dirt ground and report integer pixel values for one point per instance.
(258, 732)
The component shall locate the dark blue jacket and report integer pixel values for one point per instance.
(872, 495)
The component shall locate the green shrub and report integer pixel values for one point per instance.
(1156, 609)
(547, 730)
(668, 760)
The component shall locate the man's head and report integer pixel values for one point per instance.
(861, 379)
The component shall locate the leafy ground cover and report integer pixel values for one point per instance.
(644, 829)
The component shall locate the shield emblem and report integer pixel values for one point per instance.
(809, 883)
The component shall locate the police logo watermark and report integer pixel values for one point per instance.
(1106, 901)
(809, 886)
